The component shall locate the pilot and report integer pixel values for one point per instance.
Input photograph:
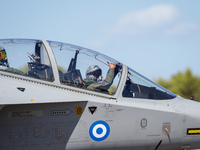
(93, 74)
(93, 78)
(4, 63)
(3, 58)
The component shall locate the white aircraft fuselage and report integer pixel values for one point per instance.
(45, 103)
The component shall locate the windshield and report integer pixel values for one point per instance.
(85, 68)
(137, 86)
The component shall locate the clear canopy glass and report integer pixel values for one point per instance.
(77, 66)
(86, 68)
(137, 86)
(27, 58)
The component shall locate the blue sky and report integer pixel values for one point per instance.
(156, 38)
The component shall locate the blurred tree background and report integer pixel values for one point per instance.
(184, 84)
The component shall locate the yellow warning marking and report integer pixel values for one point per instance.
(79, 110)
(193, 131)
(32, 100)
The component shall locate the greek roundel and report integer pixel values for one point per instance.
(99, 130)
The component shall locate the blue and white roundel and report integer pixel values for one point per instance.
(99, 130)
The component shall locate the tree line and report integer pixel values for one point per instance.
(185, 84)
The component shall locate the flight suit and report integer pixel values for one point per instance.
(103, 86)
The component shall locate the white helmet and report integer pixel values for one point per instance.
(93, 73)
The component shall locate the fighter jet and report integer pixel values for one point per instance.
(59, 96)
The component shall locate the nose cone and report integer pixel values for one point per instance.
(191, 123)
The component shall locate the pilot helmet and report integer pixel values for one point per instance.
(93, 73)
(3, 56)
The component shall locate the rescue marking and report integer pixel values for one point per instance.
(26, 114)
(21, 89)
(61, 112)
(92, 109)
(79, 110)
(143, 123)
(99, 130)
(193, 131)
(32, 100)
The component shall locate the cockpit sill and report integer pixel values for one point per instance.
(53, 84)
(48, 66)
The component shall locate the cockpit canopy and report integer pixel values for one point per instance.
(74, 62)
(75, 66)
(28, 58)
